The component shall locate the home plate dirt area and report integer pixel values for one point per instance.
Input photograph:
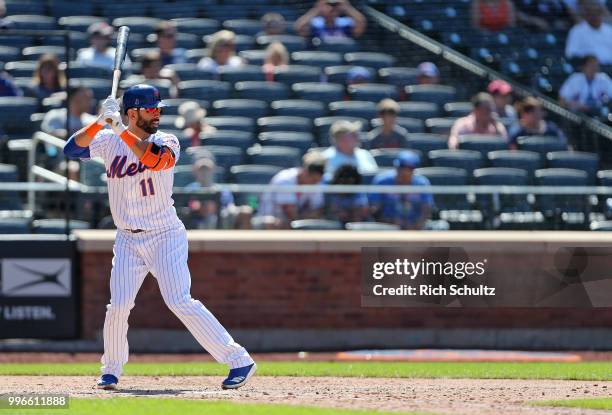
(437, 396)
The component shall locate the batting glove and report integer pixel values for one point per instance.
(112, 116)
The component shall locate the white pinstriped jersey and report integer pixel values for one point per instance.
(139, 198)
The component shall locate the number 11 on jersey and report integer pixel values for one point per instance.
(143, 187)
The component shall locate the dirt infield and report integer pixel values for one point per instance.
(441, 396)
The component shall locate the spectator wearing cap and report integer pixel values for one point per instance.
(591, 36)
(588, 90)
(222, 52)
(165, 36)
(48, 78)
(407, 210)
(192, 121)
(428, 74)
(531, 122)
(480, 121)
(80, 103)
(289, 206)
(331, 19)
(358, 75)
(501, 91)
(389, 134)
(100, 53)
(344, 136)
(273, 24)
(346, 207)
(276, 57)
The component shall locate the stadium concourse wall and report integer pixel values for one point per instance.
(300, 290)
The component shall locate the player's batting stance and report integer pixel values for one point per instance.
(139, 162)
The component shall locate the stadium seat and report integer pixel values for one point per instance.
(316, 225)
(32, 22)
(163, 85)
(80, 70)
(196, 26)
(223, 12)
(359, 109)
(291, 42)
(187, 41)
(225, 156)
(563, 210)
(370, 59)
(419, 110)
(90, 173)
(274, 156)
(190, 72)
(9, 200)
(457, 109)
(469, 160)
(292, 74)
(438, 94)
(25, 7)
(541, 144)
(249, 27)
(318, 91)
(99, 86)
(482, 143)
(298, 108)
(385, 156)
(253, 56)
(371, 226)
(323, 124)
(300, 140)
(242, 42)
(439, 125)
(340, 45)
(144, 25)
(228, 138)
(207, 89)
(79, 23)
(337, 74)
(604, 178)
(57, 226)
(15, 114)
(521, 159)
(241, 73)
(250, 108)
(20, 69)
(587, 162)
(601, 226)
(183, 175)
(9, 53)
(284, 123)
(316, 58)
(398, 76)
(372, 92)
(35, 52)
(14, 226)
(425, 142)
(413, 125)
(253, 173)
(265, 91)
(232, 123)
(173, 104)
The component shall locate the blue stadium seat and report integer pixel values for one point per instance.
(598, 225)
(9, 53)
(419, 110)
(274, 155)
(372, 92)
(412, 125)
(183, 175)
(398, 76)
(207, 89)
(14, 226)
(249, 27)
(79, 70)
(253, 56)
(563, 210)
(370, 59)
(469, 160)
(340, 45)
(229, 138)
(297, 73)
(291, 42)
(323, 124)
(190, 72)
(298, 108)
(439, 125)
(24, 7)
(316, 225)
(9, 200)
(196, 26)
(32, 22)
(187, 41)
(242, 73)
(57, 226)
(318, 91)
(225, 156)
(253, 173)
(20, 69)
(284, 123)
(173, 104)
(177, 10)
(457, 109)
(232, 123)
(316, 58)
(15, 114)
(541, 144)
(296, 139)
(385, 156)
(223, 12)
(79, 23)
(371, 226)
(90, 173)
(359, 109)
(483, 143)
(265, 91)
(240, 108)
(587, 162)
(144, 25)
(438, 94)
(426, 142)
(337, 74)
(35, 52)
(99, 86)
(521, 159)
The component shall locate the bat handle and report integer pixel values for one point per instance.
(114, 87)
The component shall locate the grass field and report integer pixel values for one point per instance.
(597, 403)
(429, 370)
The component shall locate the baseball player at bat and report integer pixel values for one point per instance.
(140, 162)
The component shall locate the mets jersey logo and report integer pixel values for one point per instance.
(119, 170)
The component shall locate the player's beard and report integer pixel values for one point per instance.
(146, 126)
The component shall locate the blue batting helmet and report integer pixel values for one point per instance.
(141, 96)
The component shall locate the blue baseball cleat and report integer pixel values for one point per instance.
(108, 382)
(238, 377)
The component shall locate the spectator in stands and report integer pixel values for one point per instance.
(203, 214)
(501, 91)
(276, 57)
(588, 90)
(81, 102)
(273, 24)
(192, 121)
(222, 49)
(346, 207)
(531, 122)
(4, 22)
(389, 134)
(344, 136)
(290, 206)
(492, 15)
(165, 35)
(151, 69)
(48, 78)
(407, 210)
(573, 7)
(100, 53)
(543, 15)
(480, 121)
(358, 75)
(429, 74)
(591, 36)
(8, 87)
(331, 19)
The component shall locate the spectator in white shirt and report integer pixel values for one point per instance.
(344, 135)
(222, 52)
(586, 91)
(591, 36)
(100, 53)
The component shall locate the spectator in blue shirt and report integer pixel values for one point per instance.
(531, 122)
(331, 19)
(346, 207)
(408, 210)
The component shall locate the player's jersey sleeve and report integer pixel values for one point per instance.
(170, 141)
(99, 145)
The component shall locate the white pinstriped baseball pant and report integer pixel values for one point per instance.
(164, 254)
